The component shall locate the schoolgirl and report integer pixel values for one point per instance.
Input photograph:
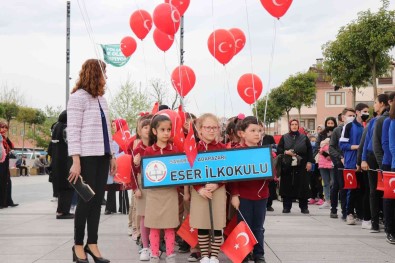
(208, 128)
(139, 193)
(161, 210)
(250, 197)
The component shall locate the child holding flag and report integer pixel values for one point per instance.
(250, 197)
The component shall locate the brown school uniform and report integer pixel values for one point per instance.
(136, 178)
(161, 210)
(200, 214)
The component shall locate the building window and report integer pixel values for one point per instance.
(335, 98)
(308, 124)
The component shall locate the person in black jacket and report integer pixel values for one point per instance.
(60, 166)
(297, 160)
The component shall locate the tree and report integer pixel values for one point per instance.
(128, 103)
(273, 112)
(11, 95)
(282, 99)
(360, 52)
(26, 115)
(163, 94)
(10, 111)
(301, 88)
(38, 120)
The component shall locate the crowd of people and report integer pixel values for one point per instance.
(308, 169)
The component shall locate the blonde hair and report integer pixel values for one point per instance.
(202, 118)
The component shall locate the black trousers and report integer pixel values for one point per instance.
(64, 201)
(94, 171)
(316, 183)
(287, 202)
(21, 169)
(338, 191)
(365, 190)
(123, 199)
(111, 203)
(272, 193)
(375, 196)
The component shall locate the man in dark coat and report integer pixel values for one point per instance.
(60, 166)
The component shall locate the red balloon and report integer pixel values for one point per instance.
(167, 18)
(124, 168)
(240, 39)
(140, 23)
(175, 120)
(183, 79)
(221, 45)
(249, 87)
(276, 8)
(181, 5)
(162, 40)
(128, 46)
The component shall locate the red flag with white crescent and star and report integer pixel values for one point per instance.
(239, 243)
(190, 146)
(230, 226)
(188, 233)
(155, 109)
(181, 113)
(389, 185)
(350, 179)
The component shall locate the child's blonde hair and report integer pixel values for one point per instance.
(202, 118)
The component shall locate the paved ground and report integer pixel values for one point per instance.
(30, 233)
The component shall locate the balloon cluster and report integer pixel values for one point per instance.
(222, 44)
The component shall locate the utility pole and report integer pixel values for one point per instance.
(182, 51)
(68, 52)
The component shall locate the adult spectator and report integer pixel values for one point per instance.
(389, 207)
(39, 164)
(60, 166)
(297, 159)
(88, 135)
(5, 178)
(21, 165)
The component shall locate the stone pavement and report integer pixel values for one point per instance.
(30, 233)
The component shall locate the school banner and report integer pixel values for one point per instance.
(113, 55)
(210, 167)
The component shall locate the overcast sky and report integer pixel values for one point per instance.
(33, 42)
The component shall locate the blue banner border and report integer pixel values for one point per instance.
(157, 157)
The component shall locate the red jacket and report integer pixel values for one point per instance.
(204, 147)
(140, 149)
(251, 190)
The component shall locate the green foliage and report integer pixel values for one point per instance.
(360, 52)
(128, 103)
(10, 111)
(301, 88)
(26, 115)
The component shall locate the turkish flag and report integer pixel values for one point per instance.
(231, 225)
(155, 109)
(239, 243)
(181, 113)
(389, 185)
(124, 139)
(188, 233)
(350, 179)
(179, 136)
(190, 146)
(380, 181)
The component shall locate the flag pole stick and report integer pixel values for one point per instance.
(238, 210)
(210, 207)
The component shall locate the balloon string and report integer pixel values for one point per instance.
(214, 62)
(145, 65)
(227, 85)
(270, 67)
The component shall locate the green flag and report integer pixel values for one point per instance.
(113, 55)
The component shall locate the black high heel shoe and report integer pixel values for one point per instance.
(77, 259)
(96, 259)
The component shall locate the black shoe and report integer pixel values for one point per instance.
(260, 260)
(194, 257)
(270, 209)
(286, 210)
(305, 211)
(333, 215)
(245, 260)
(391, 239)
(65, 216)
(184, 247)
(79, 260)
(107, 212)
(96, 259)
(13, 205)
(375, 228)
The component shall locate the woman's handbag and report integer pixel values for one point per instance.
(83, 189)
